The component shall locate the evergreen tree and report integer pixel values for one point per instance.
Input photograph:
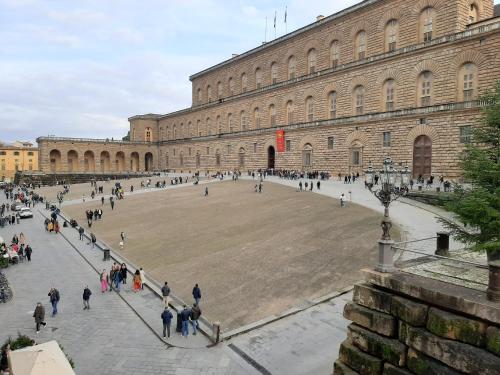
(127, 137)
(477, 203)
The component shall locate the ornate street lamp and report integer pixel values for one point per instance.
(394, 184)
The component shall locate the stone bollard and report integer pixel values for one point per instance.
(107, 255)
(385, 256)
(443, 244)
(216, 332)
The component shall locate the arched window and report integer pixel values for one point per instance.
(198, 127)
(209, 93)
(311, 61)
(426, 24)
(258, 78)
(219, 125)
(334, 53)
(181, 133)
(244, 82)
(256, 118)
(274, 73)
(425, 83)
(391, 35)
(468, 82)
(272, 115)
(289, 112)
(209, 127)
(243, 120)
(189, 129)
(220, 90)
(309, 109)
(473, 13)
(359, 100)
(388, 94)
(360, 49)
(230, 122)
(168, 132)
(230, 86)
(149, 137)
(332, 104)
(292, 67)
(199, 95)
(217, 158)
(175, 132)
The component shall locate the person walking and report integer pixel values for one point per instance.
(86, 298)
(117, 278)
(185, 314)
(165, 292)
(137, 281)
(195, 315)
(102, 201)
(124, 273)
(39, 315)
(54, 300)
(81, 231)
(206, 191)
(112, 202)
(93, 240)
(166, 317)
(104, 281)
(28, 250)
(143, 278)
(342, 200)
(197, 294)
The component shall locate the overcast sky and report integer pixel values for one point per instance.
(80, 68)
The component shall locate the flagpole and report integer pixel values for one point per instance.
(286, 25)
(265, 33)
(274, 24)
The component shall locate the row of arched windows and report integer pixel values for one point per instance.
(243, 120)
(426, 32)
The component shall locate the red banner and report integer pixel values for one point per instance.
(280, 140)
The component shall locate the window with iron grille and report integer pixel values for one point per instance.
(331, 141)
(465, 134)
(386, 139)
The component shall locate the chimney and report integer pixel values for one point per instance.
(320, 17)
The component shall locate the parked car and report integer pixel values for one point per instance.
(25, 212)
(16, 206)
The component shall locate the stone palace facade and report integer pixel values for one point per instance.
(395, 78)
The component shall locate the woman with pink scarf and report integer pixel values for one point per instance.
(104, 281)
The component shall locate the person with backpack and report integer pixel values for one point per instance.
(54, 300)
(165, 292)
(86, 298)
(166, 317)
(195, 315)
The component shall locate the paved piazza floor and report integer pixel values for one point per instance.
(254, 255)
(120, 333)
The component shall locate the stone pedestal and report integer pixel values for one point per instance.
(385, 256)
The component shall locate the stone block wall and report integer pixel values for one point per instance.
(393, 333)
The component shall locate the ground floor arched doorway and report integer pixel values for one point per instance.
(271, 157)
(55, 160)
(422, 156)
(148, 161)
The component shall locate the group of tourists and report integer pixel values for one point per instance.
(52, 224)
(308, 186)
(17, 251)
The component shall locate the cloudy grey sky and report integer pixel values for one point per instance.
(80, 68)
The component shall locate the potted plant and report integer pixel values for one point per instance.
(477, 203)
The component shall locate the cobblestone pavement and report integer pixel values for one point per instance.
(109, 338)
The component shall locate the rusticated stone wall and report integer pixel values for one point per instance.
(404, 324)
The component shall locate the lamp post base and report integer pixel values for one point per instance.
(385, 256)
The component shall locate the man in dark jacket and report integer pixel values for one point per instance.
(86, 298)
(195, 315)
(54, 299)
(185, 314)
(28, 252)
(166, 317)
(39, 315)
(80, 232)
(165, 292)
(197, 294)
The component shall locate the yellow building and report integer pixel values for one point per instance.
(19, 156)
